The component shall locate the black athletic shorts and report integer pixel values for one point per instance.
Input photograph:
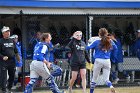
(78, 67)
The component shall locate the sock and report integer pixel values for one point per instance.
(92, 90)
(114, 75)
(92, 86)
(109, 84)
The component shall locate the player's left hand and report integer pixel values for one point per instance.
(49, 64)
(5, 58)
(18, 57)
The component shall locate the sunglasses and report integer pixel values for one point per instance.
(79, 35)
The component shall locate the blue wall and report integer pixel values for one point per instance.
(69, 4)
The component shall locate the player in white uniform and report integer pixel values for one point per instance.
(102, 49)
(40, 66)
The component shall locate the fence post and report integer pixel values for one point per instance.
(22, 52)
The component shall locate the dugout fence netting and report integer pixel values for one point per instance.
(61, 28)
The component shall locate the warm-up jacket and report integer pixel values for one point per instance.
(7, 48)
(79, 54)
(137, 48)
(119, 58)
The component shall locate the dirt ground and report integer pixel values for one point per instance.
(99, 90)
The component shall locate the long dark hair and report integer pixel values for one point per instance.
(105, 39)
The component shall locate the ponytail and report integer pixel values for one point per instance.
(105, 43)
(105, 39)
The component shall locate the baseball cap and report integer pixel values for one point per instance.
(138, 30)
(4, 29)
(14, 36)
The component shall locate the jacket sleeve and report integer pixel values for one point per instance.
(91, 46)
(70, 44)
(1, 56)
(137, 48)
(87, 57)
(115, 50)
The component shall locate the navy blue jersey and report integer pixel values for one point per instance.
(119, 58)
(137, 48)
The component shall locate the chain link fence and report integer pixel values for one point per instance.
(61, 29)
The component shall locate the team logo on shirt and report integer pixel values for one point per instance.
(80, 47)
(8, 44)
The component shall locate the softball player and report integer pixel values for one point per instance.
(137, 45)
(103, 49)
(40, 66)
(18, 64)
(55, 70)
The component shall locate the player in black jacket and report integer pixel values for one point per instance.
(78, 59)
(8, 52)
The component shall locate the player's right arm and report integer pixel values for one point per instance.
(70, 44)
(47, 63)
(92, 45)
(1, 56)
(43, 52)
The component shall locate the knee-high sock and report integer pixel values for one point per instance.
(114, 75)
(52, 85)
(92, 86)
(29, 86)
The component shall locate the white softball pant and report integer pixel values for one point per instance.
(38, 68)
(103, 64)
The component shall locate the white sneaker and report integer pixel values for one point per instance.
(84, 91)
(14, 87)
(62, 91)
(70, 90)
(128, 79)
(132, 79)
(112, 90)
(78, 86)
(9, 91)
(115, 81)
